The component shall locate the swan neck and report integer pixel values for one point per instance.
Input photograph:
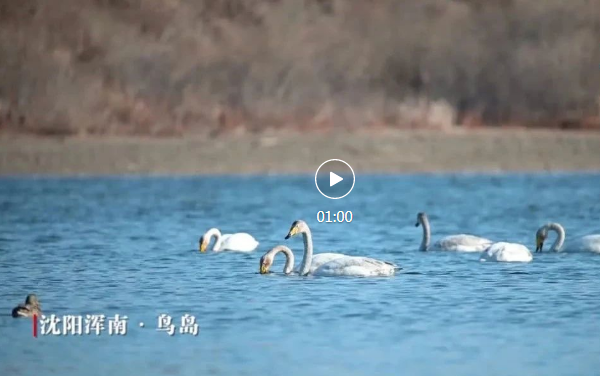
(308, 252)
(289, 260)
(426, 235)
(560, 238)
(219, 238)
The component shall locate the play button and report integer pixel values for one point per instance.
(334, 179)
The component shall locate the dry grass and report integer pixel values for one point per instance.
(168, 67)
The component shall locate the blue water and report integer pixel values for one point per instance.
(129, 246)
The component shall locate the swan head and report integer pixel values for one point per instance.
(203, 244)
(265, 262)
(421, 218)
(298, 227)
(540, 237)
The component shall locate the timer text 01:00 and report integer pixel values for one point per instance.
(337, 217)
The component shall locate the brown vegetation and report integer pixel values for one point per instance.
(168, 67)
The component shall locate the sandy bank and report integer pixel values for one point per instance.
(398, 151)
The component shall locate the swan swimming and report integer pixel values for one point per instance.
(239, 242)
(506, 252)
(30, 308)
(458, 243)
(588, 243)
(326, 264)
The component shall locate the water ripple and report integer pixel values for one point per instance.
(129, 246)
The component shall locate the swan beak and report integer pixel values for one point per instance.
(264, 269)
(202, 247)
(293, 231)
(417, 224)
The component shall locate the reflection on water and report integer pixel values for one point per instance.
(129, 246)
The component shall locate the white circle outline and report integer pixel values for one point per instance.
(353, 178)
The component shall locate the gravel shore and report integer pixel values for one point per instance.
(377, 152)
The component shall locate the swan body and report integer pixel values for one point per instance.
(588, 243)
(506, 252)
(29, 309)
(319, 260)
(456, 243)
(462, 243)
(355, 266)
(238, 242)
(327, 264)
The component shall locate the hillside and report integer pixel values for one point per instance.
(172, 67)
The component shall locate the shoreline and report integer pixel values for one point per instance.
(377, 152)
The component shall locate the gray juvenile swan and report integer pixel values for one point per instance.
(588, 243)
(326, 264)
(458, 243)
(267, 260)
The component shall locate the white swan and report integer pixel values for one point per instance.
(239, 242)
(506, 252)
(588, 243)
(458, 243)
(329, 264)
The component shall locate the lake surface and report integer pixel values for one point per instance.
(129, 246)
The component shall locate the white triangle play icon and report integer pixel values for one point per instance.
(334, 179)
